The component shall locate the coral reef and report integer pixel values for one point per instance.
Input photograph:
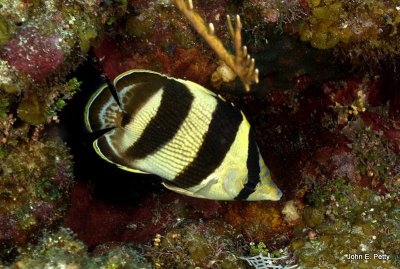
(196, 245)
(164, 43)
(41, 42)
(274, 11)
(344, 220)
(62, 250)
(36, 177)
(242, 64)
(131, 222)
(329, 132)
(256, 221)
(359, 30)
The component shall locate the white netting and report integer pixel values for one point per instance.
(266, 262)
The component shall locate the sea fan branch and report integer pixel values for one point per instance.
(242, 63)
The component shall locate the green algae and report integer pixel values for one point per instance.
(86, 37)
(122, 257)
(5, 33)
(196, 245)
(142, 27)
(321, 31)
(313, 216)
(35, 181)
(357, 30)
(377, 160)
(75, 27)
(61, 249)
(257, 249)
(3, 152)
(365, 224)
(198, 248)
(32, 110)
(4, 105)
(74, 85)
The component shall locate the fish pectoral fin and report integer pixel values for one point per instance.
(131, 169)
(182, 191)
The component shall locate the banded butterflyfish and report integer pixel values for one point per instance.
(199, 144)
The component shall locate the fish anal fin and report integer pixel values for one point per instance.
(182, 191)
(131, 169)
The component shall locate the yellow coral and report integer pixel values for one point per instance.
(242, 64)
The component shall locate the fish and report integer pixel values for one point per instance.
(198, 143)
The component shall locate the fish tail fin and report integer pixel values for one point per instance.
(102, 111)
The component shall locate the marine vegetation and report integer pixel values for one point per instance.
(61, 249)
(195, 245)
(40, 43)
(36, 178)
(344, 220)
(364, 32)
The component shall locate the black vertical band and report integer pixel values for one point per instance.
(253, 168)
(218, 140)
(176, 101)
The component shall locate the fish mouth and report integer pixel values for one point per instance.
(279, 194)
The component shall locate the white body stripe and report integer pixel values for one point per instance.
(135, 128)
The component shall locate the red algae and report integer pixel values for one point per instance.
(190, 64)
(34, 54)
(97, 222)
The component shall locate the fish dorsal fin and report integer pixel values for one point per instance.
(135, 87)
(101, 111)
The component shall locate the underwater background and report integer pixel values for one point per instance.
(325, 112)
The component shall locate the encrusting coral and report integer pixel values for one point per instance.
(61, 249)
(196, 245)
(40, 43)
(345, 220)
(35, 180)
(365, 32)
